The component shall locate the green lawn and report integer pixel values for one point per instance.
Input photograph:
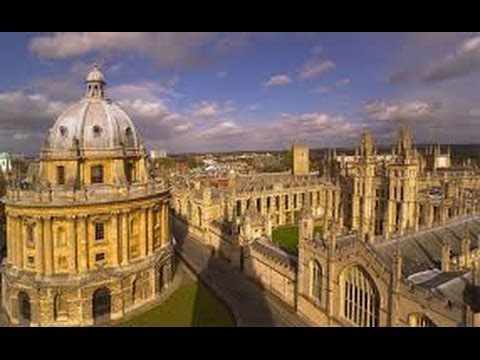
(287, 237)
(192, 304)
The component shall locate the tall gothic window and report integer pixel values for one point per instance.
(239, 208)
(315, 281)
(420, 320)
(199, 211)
(361, 302)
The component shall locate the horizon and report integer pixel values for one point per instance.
(221, 92)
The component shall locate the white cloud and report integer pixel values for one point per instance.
(465, 59)
(210, 109)
(278, 80)
(315, 68)
(398, 110)
(166, 48)
(222, 130)
(221, 74)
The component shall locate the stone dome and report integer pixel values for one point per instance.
(93, 124)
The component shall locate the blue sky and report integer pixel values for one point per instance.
(231, 91)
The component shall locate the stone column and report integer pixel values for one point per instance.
(73, 263)
(82, 244)
(124, 217)
(113, 238)
(48, 248)
(10, 232)
(143, 232)
(166, 227)
(40, 251)
(150, 230)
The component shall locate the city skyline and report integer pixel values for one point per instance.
(201, 92)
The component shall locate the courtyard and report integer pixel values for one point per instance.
(191, 305)
(287, 237)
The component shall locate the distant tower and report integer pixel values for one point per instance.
(301, 163)
(403, 177)
(363, 201)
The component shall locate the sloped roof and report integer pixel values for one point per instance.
(422, 250)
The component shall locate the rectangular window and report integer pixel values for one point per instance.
(259, 204)
(286, 202)
(277, 203)
(239, 207)
(96, 176)
(99, 231)
(31, 261)
(268, 203)
(61, 175)
(294, 201)
(100, 257)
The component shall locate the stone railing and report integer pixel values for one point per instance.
(85, 194)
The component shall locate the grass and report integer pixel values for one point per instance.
(287, 237)
(192, 304)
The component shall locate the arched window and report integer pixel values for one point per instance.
(199, 211)
(189, 210)
(60, 309)
(135, 291)
(361, 302)
(315, 280)
(420, 320)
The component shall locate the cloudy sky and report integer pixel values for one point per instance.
(240, 91)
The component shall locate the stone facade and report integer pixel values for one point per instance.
(397, 240)
(89, 240)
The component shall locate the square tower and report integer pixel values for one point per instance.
(301, 163)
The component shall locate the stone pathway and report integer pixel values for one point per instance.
(250, 305)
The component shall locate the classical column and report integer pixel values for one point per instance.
(82, 246)
(143, 232)
(40, 252)
(124, 217)
(73, 263)
(113, 238)
(20, 245)
(165, 225)
(48, 246)
(150, 230)
(10, 234)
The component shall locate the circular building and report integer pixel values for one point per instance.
(88, 241)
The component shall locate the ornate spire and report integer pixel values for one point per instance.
(95, 83)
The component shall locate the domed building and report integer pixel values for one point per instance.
(89, 240)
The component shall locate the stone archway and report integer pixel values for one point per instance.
(101, 305)
(24, 309)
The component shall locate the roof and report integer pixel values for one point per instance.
(422, 250)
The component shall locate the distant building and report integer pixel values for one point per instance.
(158, 154)
(5, 162)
